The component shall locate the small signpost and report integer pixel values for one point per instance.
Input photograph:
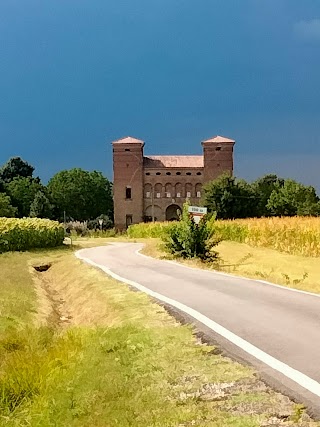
(197, 212)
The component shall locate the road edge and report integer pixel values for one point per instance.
(297, 377)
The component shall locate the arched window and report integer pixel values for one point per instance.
(168, 190)
(178, 190)
(189, 190)
(147, 191)
(198, 190)
(158, 191)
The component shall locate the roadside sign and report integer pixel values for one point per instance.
(197, 212)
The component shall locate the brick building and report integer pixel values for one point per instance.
(150, 188)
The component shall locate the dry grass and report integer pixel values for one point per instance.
(267, 264)
(88, 298)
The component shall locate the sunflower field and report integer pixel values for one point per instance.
(29, 233)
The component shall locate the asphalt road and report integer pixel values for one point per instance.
(272, 328)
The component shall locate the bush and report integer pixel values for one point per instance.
(94, 224)
(91, 227)
(187, 239)
(29, 233)
(78, 228)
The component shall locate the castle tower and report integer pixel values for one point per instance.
(128, 181)
(217, 157)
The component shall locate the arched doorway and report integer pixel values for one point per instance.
(173, 213)
(153, 213)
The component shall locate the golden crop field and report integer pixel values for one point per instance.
(28, 233)
(293, 235)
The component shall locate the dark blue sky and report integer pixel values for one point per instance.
(75, 74)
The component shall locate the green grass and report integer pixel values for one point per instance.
(119, 360)
(17, 296)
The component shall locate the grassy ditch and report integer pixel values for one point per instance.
(80, 349)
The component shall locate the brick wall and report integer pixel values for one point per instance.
(128, 175)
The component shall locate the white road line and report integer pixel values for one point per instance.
(296, 376)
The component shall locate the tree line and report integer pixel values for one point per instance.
(87, 196)
(75, 194)
(269, 195)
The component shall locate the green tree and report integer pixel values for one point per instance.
(22, 191)
(293, 198)
(15, 167)
(230, 198)
(6, 209)
(263, 188)
(41, 206)
(81, 194)
(2, 186)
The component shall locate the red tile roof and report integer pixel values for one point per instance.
(173, 162)
(128, 140)
(219, 138)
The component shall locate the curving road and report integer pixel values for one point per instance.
(275, 329)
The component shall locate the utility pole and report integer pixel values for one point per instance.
(152, 203)
(64, 223)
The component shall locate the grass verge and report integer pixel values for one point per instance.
(84, 350)
(294, 271)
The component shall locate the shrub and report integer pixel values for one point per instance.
(293, 235)
(187, 239)
(29, 233)
(94, 224)
(77, 227)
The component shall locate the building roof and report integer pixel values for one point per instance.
(173, 162)
(128, 140)
(218, 139)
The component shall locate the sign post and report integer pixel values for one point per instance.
(197, 212)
